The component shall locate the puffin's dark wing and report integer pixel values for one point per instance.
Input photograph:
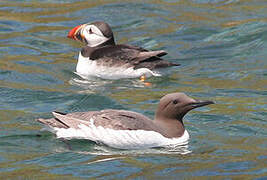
(132, 55)
(125, 53)
(116, 52)
(132, 47)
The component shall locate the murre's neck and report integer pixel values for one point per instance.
(173, 127)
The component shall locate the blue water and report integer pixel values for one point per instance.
(221, 46)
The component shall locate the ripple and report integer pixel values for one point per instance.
(8, 26)
(18, 50)
(220, 44)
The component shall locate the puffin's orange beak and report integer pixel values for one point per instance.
(76, 31)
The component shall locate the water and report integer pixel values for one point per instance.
(221, 46)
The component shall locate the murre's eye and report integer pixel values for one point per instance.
(175, 101)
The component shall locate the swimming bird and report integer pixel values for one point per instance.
(102, 57)
(126, 129)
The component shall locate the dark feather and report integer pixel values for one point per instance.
(112, 119)
(125, 54)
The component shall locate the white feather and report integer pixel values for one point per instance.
(122, 139)
(86, 68)
(95, 38)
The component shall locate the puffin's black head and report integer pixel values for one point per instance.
(176, 105)
(93, 34)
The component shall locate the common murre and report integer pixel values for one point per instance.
(126, 129)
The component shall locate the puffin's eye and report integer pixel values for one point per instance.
(175, 101)
(90, 31)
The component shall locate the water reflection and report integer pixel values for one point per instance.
(105, 150)
(220, 45)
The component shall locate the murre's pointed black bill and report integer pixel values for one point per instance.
(201, 103)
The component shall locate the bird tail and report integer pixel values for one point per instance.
(53, 123)
(63, 120)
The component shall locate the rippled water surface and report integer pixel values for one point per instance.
(220, 44)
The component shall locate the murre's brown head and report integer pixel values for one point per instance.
(175, 105)
(93, 34)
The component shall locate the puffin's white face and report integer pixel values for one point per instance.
(92, 35)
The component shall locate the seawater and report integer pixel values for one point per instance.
(220, 44)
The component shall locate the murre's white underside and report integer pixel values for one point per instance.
(88, 68)
(122, 139)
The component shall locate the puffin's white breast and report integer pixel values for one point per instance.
(86, 68)
(122, 139)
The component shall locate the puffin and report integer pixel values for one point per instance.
(102, 57)
(124, 129)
